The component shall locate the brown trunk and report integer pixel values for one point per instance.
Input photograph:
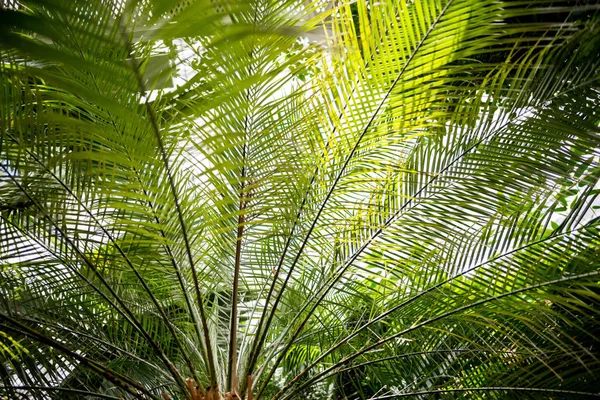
(249, 387)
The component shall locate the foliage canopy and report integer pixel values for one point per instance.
(328, 200)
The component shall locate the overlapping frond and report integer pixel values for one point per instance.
(191, 196)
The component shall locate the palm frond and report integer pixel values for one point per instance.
(198, 194)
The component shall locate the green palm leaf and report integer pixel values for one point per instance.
(282, 199)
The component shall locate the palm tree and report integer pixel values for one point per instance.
(293, 200)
